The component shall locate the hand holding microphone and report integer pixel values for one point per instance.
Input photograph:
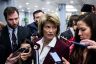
(89, 43)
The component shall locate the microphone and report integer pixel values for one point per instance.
(80, 45)
(36, 48)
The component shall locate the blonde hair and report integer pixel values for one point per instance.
(1, 25)
(53, 18)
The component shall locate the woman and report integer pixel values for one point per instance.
(49, 29)
(87, 33)
(22, 55)
(69, 34)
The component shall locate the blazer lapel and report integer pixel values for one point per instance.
(19, 34)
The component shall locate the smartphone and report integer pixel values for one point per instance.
(56, 58)
(20, 50)
(25, 50)
(80, 45)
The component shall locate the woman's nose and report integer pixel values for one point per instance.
(79, 33)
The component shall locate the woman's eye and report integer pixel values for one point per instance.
(83, 29)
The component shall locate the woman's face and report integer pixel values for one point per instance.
(49, 31)
(84, 30)
(25, 45)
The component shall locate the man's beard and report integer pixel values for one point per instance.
(14, 26)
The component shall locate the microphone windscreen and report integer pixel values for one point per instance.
(36, 46)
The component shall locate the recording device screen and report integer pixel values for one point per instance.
(80, 45)
(56, 58)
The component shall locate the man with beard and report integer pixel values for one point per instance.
(11, 34)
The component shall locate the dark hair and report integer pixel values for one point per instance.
(37, 11)
(9, 11)
(73, 18)
(87, 8)
(23, 41)
(76, 56)
(89, 19)
(77, 37)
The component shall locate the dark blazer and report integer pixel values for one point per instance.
(33, 27)
(67, 34)
(5, 44)
(61, 49)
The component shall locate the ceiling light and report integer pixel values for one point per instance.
(36, 6)
(47, 2)
(43, 8)
(71, 1)
(71, 10)
(48, 9)
(52, 11)
(27, 3)
(69, 6)
(28, 8)
(35, 9)
(20, 6)
(22, 10)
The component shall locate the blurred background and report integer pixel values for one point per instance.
(63, 8)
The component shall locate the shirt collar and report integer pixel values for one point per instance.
(10, 30)
(52, 43)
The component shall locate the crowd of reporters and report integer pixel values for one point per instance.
(76, 45)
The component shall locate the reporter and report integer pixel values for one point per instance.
(26, 54)
(89, 43)
(23, 55)
(87, 33)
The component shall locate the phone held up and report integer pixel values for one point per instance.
(20, 50)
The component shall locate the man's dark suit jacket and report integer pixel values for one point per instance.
(67, 34)
(5, 44)
(34, 27)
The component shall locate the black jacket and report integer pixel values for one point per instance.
(5, 44)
